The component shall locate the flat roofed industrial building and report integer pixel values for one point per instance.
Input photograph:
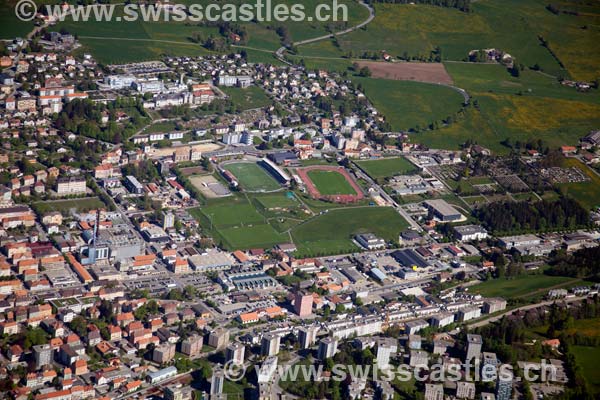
(443, 211)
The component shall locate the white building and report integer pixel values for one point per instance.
(327, 348)
(307, 336)
(385, 349)
(468, 233)
(441, 320)
(468, 313)
(269, 345)
(267, 370)
(235, 353)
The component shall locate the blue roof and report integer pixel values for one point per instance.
(378, 274)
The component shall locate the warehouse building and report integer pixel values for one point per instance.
(443, 211)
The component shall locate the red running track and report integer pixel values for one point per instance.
(337, 198)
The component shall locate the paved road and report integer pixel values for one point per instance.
(281, 50)
(524, 308)
(361, 174)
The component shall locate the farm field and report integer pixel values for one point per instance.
(409, 71)
(555, 121)
(10, 25)
(113, 42)
(387, 167)
(64, 206)
(247, 98)
(330, 182)
(138, 41)
(252, 177)
(513, 26)
(409, 105)
(332, 232)
(494, 78)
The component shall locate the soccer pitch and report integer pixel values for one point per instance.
(252, 177)
(330, 182)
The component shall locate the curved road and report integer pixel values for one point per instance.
(281, 50)
(523, 308)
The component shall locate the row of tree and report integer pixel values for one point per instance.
(507, 217)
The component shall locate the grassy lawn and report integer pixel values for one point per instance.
(236, 224)
(247, 98)
(228, 215)
(332, 232)
(529, 196)
(408, 104)
(252, 177)
(277, 201)
(64, 206)
(252, 236)
(387, 167)
(161, 127)
(474, 200)
(521, 286)
(10, 25)
(586, 193)
(330, 182)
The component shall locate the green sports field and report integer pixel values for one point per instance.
(252, 177)
(277, 201)
(236, 224)
(332, 232)
(387, 167)
(330, 182)
(261, 236)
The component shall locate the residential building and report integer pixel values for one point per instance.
(434, 391)
(178, 392)
(216, 381)
(303, 304)
(43, 355)
(219, 338)
(503, 389)
(474, 344)
(235, 353)
(465, 390)
(269, 345)
(307, 336)
(327, 348)
(192, 346)
(163, 353)
(71, 185)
